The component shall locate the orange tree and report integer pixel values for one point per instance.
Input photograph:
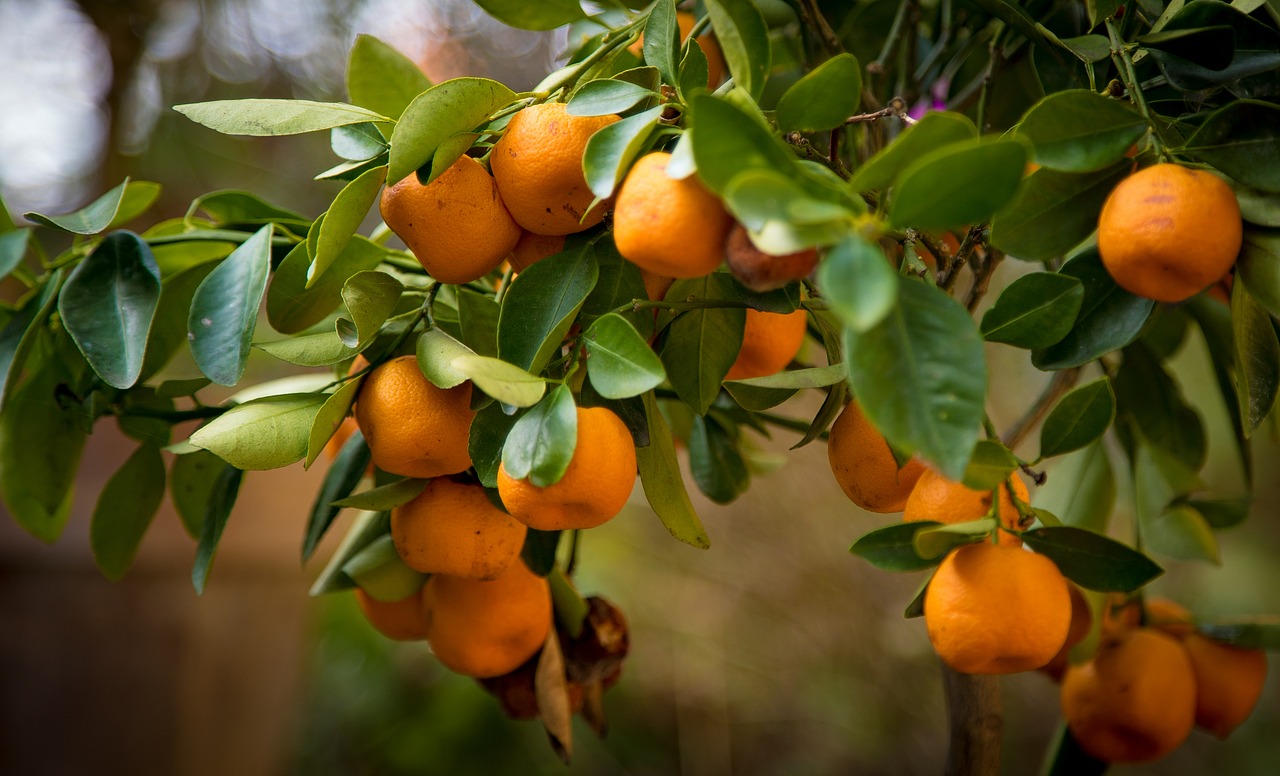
(563, 315)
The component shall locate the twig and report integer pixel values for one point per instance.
(949, 272)
(811, 18)
(1062, 382)
(982, 279)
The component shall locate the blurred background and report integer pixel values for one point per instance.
(774, 652)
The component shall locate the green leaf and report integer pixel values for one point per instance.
(224, 310)
(365, 529)
(1089, 49)
(503, 381)
(990, 465)
(893, 547)
(542, 15)
(934, 543)
(335, 409)
(456, 106)
(385, 497)
(662, 40)
(1257, 357)
(1182, 533)
(727, 140)
(611, 149)
(920, 376)
(744, 38)
(107, 305)
(604, 96)
(264, 433)
(489, 431)
(1093, 561)
(1221, 513)
(824, 97)
(936, 130)
(19, 333)
(234, 208)
(701, 344)
(436, 351)
(343, 476)
(218, 509)
(758, 394)
(1259, 267)
(324, 348)
(1167, 524)
(13, 247)
(1034, 311)
(539, 551)
(858, 283)
(619, 361)
(371, 298)
(540, 445)
(342, 219)
(1079, 419)
(1054, 212)
(378, 570)
(695, 73)
(1254, 633)
(93, 218)
(717, 465)
(125, 509)
(781, 216)
(958, 185)
(1147, 395)
(138, 198)
(293, 306)
(540, 306)
(662, 483)
(1243, 140)
(359, 144)
(1214, 320)
(1080, 131)
(478, 319)
(381, 78)
(1109, 317)
(274, 117)
(192, 480)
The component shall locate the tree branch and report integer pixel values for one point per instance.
(976, 719)
(1062, 382)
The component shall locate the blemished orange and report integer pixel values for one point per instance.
(770, 341)
(1081, 624)
(456, 226)
(864, 465)
(670, 227)
(706, 41)
(1135, 700)
(760, 271)
(538, 167)
(413, 428)
(594, 487)
(1168, 231)
(453, 528)
(937, 498)
(1229, 681)
(487, 628)
(995, 609)
(532, 248)
(403, 620)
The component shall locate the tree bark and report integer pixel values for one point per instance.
(976, 718)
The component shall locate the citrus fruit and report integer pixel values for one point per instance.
(1167, 231)
(1135, 700)
(456, 226)
(1229, 681)
(670, 227)
(769, 343)
(538, 167)
(413, 428)
(594, 487)
(487, 628)
(937, 498)
(995, 609)
(864, 465)
(1081, 623)
(403, 620)
(452, 528)
(760, 271)
(532, 247)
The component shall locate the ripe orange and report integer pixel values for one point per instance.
(456, 225)
(538, 166)
(1135, 700)
(594, 488)
(487, 628)
(452, 528)
(532, 248)
(864, 465)
(1081, 623)
(675, 228)
(412, 427)
(760, 271)
(1167, 232)
(1229, 682)
(937, 498)
(770, 341)
(403, 620)
(994, 609)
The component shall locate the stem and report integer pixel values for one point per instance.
(572, 562)
(1059, 385)
(982, 280)
(976, 721)
(949, 272)
(636, 305)
(811, 18)
(173, 416)
(1124, 64)
(891, 40)
(791, 424)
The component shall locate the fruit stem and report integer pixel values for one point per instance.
(1124, 64)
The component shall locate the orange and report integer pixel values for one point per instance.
(937, 498)
(402, 620)
(1135, 700)
(487, 628)
(1167, 232)
(769, 343)
(453, 528)
(1229, 682)
(413, 428)
(675, 228)
(995, 609)
(538, 166)
(532, 248)
(456, 225)
(1172, 618)
(656, 286)
(1081, 623)
(594, 488)
(760, 271)
(864, 465)
(706, 41)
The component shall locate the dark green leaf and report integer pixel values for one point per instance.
(382, 79)
(990, 465)
(1259, 267)
(758, 394)
(357, 143)
(1080, 418)
(934, 543)
(715, 461)
(611, 149)
(93, 218)
(342, 220)
(456, 106)
(265, 433)
(1221, 513)
(222, 498)
(1093, 561)
(478, 318)
(125, 509)
(542, 15)
(1243, 140)
(934, 131)
(1081, 131)
(1089, 48)
(957, 185)
(892, 548)
(663, 485)
(619, 361)
(744, 38)
(858, 283)
(229, 208)
(694, 71)
(1257, 357)
(274, 117)
(1054, 212)
(489, 431)
(224, 310)
(18, 334)
(662, 40)
(824, 97)
(1214, 320)
(384, 497)
(604, 96)
(540, 445)
(539, 550)
(1109, 318)
(1147, 393)
(13, 247)
(702, 344)
(169, 324)
(541, 305)
(1034, 311)
(191, 484)
(344, 474)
